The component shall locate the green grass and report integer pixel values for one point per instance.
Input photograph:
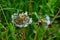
(9, 31)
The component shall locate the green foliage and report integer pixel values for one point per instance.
(41, 7)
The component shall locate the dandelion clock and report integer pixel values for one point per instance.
(21, 20)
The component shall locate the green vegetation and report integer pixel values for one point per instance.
(8, 31)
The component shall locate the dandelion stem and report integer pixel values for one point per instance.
(30, 6)
(23, 33)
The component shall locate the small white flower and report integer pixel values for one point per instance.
(21, 20)
(47, 21)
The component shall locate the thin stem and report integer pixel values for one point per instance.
(10, 9)
(23, 33)
(54, 31)
(37, 15)
(36, 34)
(50, 8)
(43, 34)
(4, 14)
(55, 16)
(51, 33)
(30, 6)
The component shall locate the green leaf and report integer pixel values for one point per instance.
(1, 26)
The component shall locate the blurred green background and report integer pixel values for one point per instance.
(9, 32)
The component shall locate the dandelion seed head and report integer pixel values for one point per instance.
(21, 20)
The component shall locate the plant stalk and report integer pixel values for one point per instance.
(30, 6)
(23, 33)
(55, 16)
(36, 34)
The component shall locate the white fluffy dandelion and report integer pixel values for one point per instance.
(21, 20)
(47, 21)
